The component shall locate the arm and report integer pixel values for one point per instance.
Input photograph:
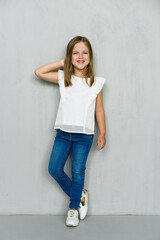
(45, 71)
(100, 117)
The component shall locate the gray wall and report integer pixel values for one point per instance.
(123, 178)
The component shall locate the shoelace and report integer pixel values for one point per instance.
(72, 213)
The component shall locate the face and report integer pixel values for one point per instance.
(80, 56)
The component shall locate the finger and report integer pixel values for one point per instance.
(100, 147)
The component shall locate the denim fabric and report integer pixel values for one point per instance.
(79, 144)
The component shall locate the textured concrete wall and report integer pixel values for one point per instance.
(123, 178)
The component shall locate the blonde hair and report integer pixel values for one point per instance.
(88, 71)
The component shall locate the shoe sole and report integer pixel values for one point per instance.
(70, 225)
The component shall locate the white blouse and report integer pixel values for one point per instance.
(76, 111)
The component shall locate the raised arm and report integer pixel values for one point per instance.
(45, 71)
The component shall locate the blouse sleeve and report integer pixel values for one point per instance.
(61, 78)
(99, 84)
(96, 88)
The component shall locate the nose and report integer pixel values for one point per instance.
(80, 55)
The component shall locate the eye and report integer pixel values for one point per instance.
(84, 53)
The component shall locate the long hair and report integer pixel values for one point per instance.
(88, 71)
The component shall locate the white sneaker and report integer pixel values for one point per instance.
(83, 207)
(72, 217)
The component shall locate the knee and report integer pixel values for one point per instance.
(51, 170)
(80, 172)
(55, 173)
(78, 176)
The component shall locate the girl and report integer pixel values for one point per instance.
(81, 100)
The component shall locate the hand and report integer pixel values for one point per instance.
(102, 140)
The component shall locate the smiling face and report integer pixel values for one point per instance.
(80, 56)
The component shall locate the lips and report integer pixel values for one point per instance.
(80, 61)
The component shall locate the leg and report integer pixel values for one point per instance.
(60, 152)
(80, 152)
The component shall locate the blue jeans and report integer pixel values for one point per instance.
(80, 145)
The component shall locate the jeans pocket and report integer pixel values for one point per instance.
(90, 138)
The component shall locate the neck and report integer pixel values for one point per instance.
(78, 73)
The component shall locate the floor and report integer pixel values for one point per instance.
(28, 227)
